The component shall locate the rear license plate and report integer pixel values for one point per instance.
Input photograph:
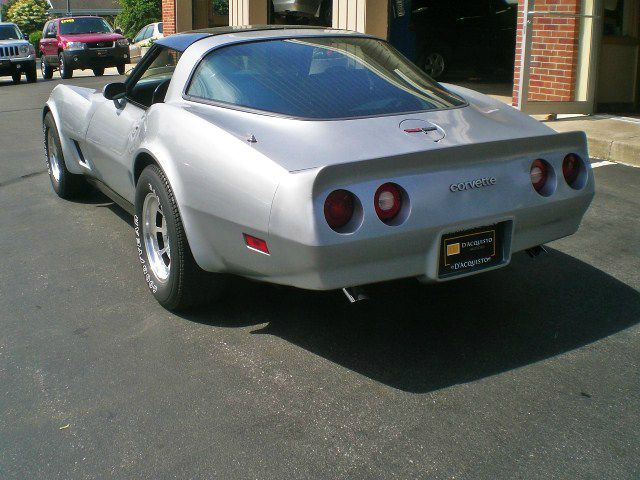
(470, 250)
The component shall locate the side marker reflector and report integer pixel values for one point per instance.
(255, 243)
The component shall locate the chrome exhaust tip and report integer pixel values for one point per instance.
(355, 294)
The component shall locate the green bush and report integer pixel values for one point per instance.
(34, 39)
(135, 14)
(29, 15)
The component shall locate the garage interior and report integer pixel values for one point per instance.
(581, 56)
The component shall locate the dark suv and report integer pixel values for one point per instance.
(478, 35)
(79, 43)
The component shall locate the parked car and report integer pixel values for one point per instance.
(237, 154)
(143, 40)
(465, 34)
(78, 43)
(17, 55)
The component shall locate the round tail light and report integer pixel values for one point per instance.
(571, 169)
(388, 201)
(539, 174)
(338, 208)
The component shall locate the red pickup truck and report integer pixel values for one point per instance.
(79, 43)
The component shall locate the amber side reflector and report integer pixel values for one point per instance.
(255, 243)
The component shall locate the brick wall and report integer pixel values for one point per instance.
(169, 16)
(554, 51)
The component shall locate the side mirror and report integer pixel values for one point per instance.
(130, 41)
(25, 36)
(118, 31)
(114, 91)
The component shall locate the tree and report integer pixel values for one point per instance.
(4, 9)
(29, 15)
(135, 14)
(220, 7)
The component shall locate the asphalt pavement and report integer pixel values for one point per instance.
(531, 371)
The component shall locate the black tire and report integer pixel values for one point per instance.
(436, 55)
(121, 68)
(45, 69)
(63, 68)
(15, 76)
(32, 74)
(185, 285)
(98, 72)
(66, 184)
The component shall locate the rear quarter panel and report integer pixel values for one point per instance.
(223, 185)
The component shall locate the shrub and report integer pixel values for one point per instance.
(29, 15)
(34, 39)
(135, 14)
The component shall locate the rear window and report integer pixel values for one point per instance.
(318, 78)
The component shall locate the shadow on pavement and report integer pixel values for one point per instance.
(423, 338)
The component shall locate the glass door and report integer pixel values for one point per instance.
(559, 47)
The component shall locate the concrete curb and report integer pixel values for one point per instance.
(614, 139)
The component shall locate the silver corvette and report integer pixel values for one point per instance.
(316, 158)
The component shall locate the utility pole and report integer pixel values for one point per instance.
(69, 7)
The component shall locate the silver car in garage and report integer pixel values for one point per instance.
(316, 158)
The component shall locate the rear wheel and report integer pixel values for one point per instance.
(98, 72)
(45, 69)
(32, 75)
(64, 183)
(168, 266)
(435, 61)
(65, 70)
(15, 76)
(121, 68)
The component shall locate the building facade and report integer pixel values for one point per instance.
(566, 56)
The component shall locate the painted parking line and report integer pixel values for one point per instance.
(603, 163)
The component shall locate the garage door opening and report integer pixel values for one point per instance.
(296, 12)
(466, 42)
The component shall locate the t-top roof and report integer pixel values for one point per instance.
(181, 41)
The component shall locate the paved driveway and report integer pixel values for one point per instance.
(526, 372)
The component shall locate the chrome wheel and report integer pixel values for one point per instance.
(156, 238)
(434, 65)
(53, 157)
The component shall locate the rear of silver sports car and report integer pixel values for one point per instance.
(435, 215)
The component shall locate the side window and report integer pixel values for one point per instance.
(45, 29)
(140, 34)
(148, 33)
(54, 29)
(148, 84)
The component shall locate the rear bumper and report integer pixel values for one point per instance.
(96, 58)
(305, 252)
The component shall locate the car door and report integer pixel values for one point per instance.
(49, 43)
(473, 30)
(113, 134)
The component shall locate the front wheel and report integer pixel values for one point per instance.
(65, 71)
(45, 69)
(32, 75)
(66, 184)
(168, 266)
(15, 76)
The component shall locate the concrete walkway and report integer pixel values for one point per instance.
(612, 138)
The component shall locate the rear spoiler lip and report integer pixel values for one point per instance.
(470, 154)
